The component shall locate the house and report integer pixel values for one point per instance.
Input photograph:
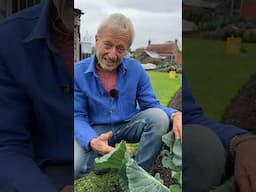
(86, 45)
(86, 48)
(201, 9)
(165, 51)
(77, 36)
(207, 4)
(246, 8)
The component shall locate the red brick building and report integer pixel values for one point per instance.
(165, 50)
(248, 9)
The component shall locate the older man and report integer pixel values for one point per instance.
(114, 101)
(36, 98)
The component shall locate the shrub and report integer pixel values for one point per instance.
(230, 31)
(250, 36)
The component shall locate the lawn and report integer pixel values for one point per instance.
(215, 76)
(164, 88)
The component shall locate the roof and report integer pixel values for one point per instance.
(163, 49)
(211, 4)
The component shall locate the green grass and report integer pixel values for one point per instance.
(96, 183)
(215, 76)
(163, 86)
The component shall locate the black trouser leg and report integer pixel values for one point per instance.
(60, 174)
(204, 159)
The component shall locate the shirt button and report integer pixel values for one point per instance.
(110, 112)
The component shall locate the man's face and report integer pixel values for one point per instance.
(65, 9)
(111, 47)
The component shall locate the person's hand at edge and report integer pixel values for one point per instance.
(243, 149)
(68, 188)
(177, 124)
(100, 143)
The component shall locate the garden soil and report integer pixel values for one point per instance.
(242, 109)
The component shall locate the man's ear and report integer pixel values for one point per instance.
(96, 38)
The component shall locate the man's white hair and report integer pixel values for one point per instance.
(120, 22)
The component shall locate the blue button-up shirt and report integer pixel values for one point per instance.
(93, 105)
(36, 101)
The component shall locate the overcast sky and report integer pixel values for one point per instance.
(157, 20)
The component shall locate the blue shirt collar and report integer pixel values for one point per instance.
(92, 69)
(42, 27)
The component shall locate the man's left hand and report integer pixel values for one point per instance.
(245, 162)
(177, 124)
(68, 188)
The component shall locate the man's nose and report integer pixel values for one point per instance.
(112, 53)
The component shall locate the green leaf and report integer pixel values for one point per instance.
(114, 159)
(177, 149)
(142, 181)
(167, 162)
(166, 153)
(158, 177)
(177, 161)
(177, 175)
(168, 139)
(123, 179)
(175, 188)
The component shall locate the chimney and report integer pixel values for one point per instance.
(149, 42)
(176, 41)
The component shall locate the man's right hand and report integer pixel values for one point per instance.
(100, 143)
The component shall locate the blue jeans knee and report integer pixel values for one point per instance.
(158, 118)
(83, 160)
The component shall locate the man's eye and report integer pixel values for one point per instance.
(121, 50)
(107, 46)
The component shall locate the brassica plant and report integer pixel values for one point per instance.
(133, 178)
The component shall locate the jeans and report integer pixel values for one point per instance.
(147, 128)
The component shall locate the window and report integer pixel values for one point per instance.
(237, 4)
(18, 5)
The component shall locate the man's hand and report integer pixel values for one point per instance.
(68, 188)
(100, 143)
(244, 149)
(177, 124)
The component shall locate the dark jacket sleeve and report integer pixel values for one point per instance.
(19, 172)
(193, 114)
